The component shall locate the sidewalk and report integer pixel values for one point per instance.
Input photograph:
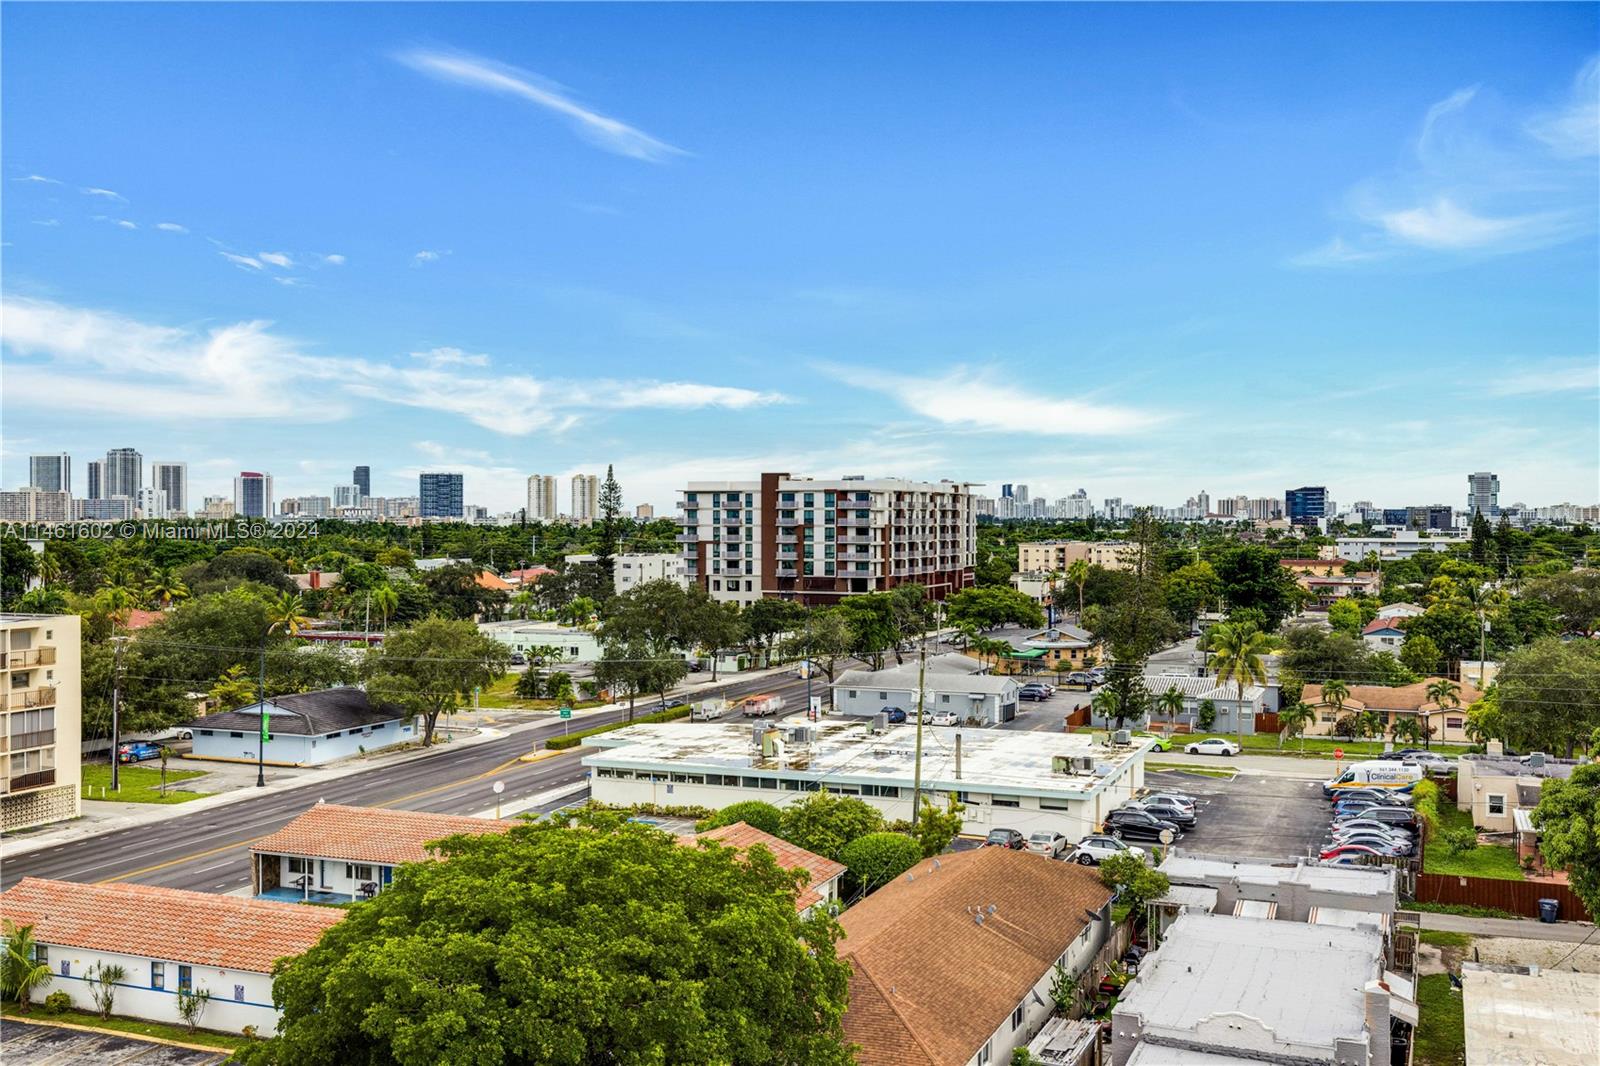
(1524, 928)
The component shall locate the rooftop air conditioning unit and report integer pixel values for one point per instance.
(1122, 736)
(1536, 760)
(1083, 764)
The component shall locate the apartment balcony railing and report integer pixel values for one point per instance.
(39, 738)
(732, 520)
(787, 571)
(22, 782)
(22, 699)
(788, 538)
(17, 660)
(687, 538)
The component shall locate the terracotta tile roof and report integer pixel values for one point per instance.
(1333, 566)
(532, 573)
(368, 834)
(229, 932)
(1398, 698)
(489, 580)
(139, 619)
(742, 835)
(929, 983)
(1378, 625)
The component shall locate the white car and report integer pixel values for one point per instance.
(1213, 746)
(1047, 843)
(945, 718)
(1094, 849)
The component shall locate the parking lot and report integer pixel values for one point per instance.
(1251, 815)
(49, 1045)
(1050, 714)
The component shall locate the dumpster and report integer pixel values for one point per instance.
(1549, 910)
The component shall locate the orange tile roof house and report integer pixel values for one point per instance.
(953, 962)
(165, 939)
(825, 873)
(1401, 701)
(333, 853)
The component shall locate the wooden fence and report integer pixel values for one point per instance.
(1519, 897)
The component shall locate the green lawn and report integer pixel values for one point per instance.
(1465, 910)
(140, 784)
(1486, 860)
(1293, 747)
(1439, 938)
(203, 1037)
(502, 695)
(1200, 771)
(1441, 1038)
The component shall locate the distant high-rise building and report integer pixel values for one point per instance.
(362, 477)
(1483, 493)
(1022, 494)
(124, 473)
(252, 495)
(542, 503)
(50, 473)
(96, 479)
(1303, 506)
(105, 509)
(172, 479)
(1005, 491)
(35, 505)
(151, 502)
(1431, 516)
(1202, 503)
(441, 495)
(644, 512)
(311, 506)
(347, 496)
(585, 498)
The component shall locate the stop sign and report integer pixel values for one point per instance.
(1338, 753)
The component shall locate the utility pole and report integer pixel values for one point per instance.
(116, 709)
(916, 773)
(261, 708)
(366, 627)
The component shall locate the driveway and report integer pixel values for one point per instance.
(1251, 816)
(26, 1044)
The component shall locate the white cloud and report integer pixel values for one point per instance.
(38, 179)
(47, 222)
(1552, 376)
(165, 372)
(1445, 224)
(241, 260)
(427, 256)
(171, 227)
(125, 224)
(289, 282)
(1336, 252)
(486, 74)
(106, 193)
(975, 399)
(333, 260)
(277, 259)
(1573, 130)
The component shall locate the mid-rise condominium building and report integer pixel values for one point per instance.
(123, 473)
(362, 479)
(542, 503)
(1046, 556)
(172, 479)
(1483, 494)
(41, 707)
(151, 503)
(32, 504)
(585, 498)
(1303, 506)
(348, 496)
(104, 509)
(252, 495)
(51, 473)
(818, 541)
(441, 495)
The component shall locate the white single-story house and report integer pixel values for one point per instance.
(165, 940)
(304, 729)
(572, 644)
(1401, 610)
(950, 683)
(333, 853)
(1197, 690)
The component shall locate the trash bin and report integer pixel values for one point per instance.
(1549, 910)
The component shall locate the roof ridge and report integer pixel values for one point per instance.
(889, 998)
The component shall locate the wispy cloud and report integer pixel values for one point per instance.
(333, 260)
(288, 282)
(244, 261)
(979, 400)
(490, 76)
(47, 222)
(39, 179)
(125, 224)
(277, 259)
(1576, 376)
(104, 193)
(1480, 179)
(173, 373)
(172, 227)
(427, 255)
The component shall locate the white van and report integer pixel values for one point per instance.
(1376, 774)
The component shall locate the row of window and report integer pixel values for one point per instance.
(158, 972)
(747, 781)
(356, 871)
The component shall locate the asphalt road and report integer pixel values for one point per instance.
(208, 851)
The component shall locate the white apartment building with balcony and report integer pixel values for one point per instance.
(819, 540)
(41, 716)
(542, 498)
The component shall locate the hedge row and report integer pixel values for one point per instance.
(1425, 801)
(572, 740)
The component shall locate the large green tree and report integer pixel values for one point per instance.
(987, 608)
(1568, 820)
(432, 668)
(824, 823)
(570, 947)
(825, 637)
(1549, 695)
(1251, 577)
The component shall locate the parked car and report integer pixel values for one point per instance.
(137, 752)
(1171, 812)
(896, 714)
(1212, 746)
(518, 659)
(945, 718)
(1380, 844)
(1005, 838)
(1400, 817)
(1392, 797)
(1094, 849)
(1182, 797)
(1360, 826)
(1045, 842)
(1428, 760)
(1142, 825)
(1080, 677)
(1161, 743)
(1033, 692)
(1347, 853)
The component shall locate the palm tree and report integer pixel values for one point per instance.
(165, 586)
(1442, 692)
(165, 753)
(1078, 574)
(1406, 728)
(1107, 704)
(1370, 724)
(1334, 693)
(113, 603)
(284, 613)
(1170, 703)
(387, 601)
(1296, 718)
(1238, 648)
(22, 971)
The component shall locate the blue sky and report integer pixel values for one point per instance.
(1138, 249)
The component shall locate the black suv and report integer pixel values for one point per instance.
(1006, 838)
(1142, 825)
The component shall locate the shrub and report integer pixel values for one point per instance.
(878, 858)
(1425, 801)
(1207, 716)
(1459, 841)
(1136, 883)
(761, 815)
(572, 740)
(823, 823)
(530, 686)
(57, 1003)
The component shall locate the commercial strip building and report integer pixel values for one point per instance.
(1448, 722)
(41, 719)
(1296, 891)
(817, 541)
(336, 854)
(1221, 991)
(953, 962)
(1061, 782)
(1530, 1016)
(953, 683)
(1403, 545)
(166, 940)
(304, 729)
(572, 644)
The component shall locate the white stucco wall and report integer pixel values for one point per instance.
(238, 997)
(300, 750)
(1037, 1006)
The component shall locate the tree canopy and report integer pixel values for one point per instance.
(433, 667)
(1568, 820)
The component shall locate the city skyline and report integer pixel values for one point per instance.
(1351, 284)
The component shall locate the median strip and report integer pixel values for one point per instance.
(572, 740)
